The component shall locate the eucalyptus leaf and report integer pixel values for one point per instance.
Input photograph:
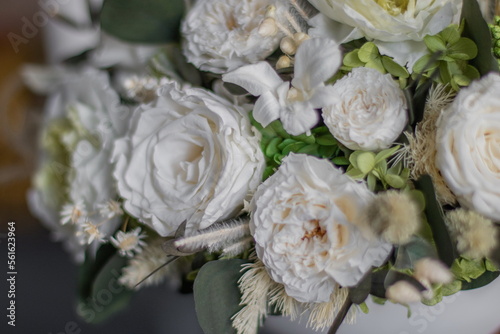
(477, 29)
(413, 251)
(360, 292)
(434, 213)
(484, 279)
(142, 21)
(217, 295)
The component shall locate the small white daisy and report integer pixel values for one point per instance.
(129, 242)
(73, 213)
(110, 209)
(90, 232)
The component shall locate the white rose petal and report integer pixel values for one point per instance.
(303, 222)
(190, 155)
(222, 35)
(468, 146)
(367, 110)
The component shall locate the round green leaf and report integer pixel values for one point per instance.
(142, 21)
(217, 295)
(366, 162)
(367, 52)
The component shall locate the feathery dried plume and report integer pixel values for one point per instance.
(394, 216)
(421, 149)
(216, 237)
(403, 292)
(322, 315)
(143, 264)
(254, 285)
(475, 235)
(432, 271)
(283, 303)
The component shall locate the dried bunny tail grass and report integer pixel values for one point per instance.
(322, 315)
(394, 216)
(420, 152)
(254, 285)
(474, 234)
(143, 264)
(238, 247)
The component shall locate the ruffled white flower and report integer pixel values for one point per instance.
(129, 243)
(222, 35)
(397, 27)
(92, 116)
(367, 110)
(293, 102)
(190, 155)
(305, 222)
(468, 146)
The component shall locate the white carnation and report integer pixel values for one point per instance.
(304, 223)
(468, 146)
(222, 35)
(367, 110)
(190, 155)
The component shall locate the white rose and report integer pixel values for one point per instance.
(397, 27)
(468, 146)
(303, 222)
(367, 110)
(222, 35)
(192, 156)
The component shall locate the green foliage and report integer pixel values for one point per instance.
(495, 32)
(142, 21)
(217, 295)
(100, 294)
(374, 168)
(276, 144)
(449, 55)
(369, 56)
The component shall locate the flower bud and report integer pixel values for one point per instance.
(288, 45)
(283, 62)
(268, 27)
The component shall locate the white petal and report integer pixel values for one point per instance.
(404, 53)
(299, 118)
(316, 61)
(322, 26)
(267, 109)
(256, 78)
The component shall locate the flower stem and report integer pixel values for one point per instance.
(340, 316)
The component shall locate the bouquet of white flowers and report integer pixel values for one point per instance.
(283, 157)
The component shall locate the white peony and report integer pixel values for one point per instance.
(222, 35)
(468, 146)
(397, 27)
(190, 155)
(293, 102)
(304, 223)
(367, 110)
(83, 118)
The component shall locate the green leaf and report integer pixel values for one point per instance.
(351, 59)
(417, 248)
(285, 143)
(326, 140)
(364, 308)
(434, 213)
(355, 173)
(450, 34)
(434, 43)
(368, 52)
(360, 292)
(272, 147)
(372, 182)
(377, 65)
(484, 279)
(310, 149)
(451, 288)
(365, 162)
(394, 181)
(142, 21)
(468, 270)
(421, 65)
(394, 68)
(461, 80)
(384, 154)
(103, 295)
(464, 49)
(293, 147)
(340, 161)
(217, 295)
(477, 29)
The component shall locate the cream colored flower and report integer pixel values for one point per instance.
(305, 222)
(468, 146)
(129, 243)
(222, 35)
(366, 111)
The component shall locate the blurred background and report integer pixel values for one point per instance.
(46, 279)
